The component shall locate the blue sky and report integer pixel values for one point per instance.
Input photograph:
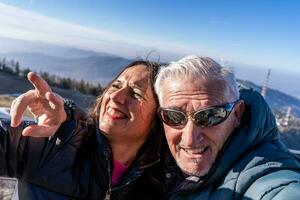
(258, 32)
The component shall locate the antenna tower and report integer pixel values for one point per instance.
(265, 86)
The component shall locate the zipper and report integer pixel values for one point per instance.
(126, 184)
(110, 189)
(108, 192)
(178, 191)
(137, 176)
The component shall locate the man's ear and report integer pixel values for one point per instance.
(238, 112)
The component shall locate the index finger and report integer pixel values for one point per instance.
(39, 84)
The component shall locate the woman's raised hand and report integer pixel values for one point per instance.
(47, 107)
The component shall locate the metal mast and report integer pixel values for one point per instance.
(265, 85)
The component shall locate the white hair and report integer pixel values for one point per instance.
(195, 67)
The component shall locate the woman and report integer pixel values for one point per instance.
(111, 155)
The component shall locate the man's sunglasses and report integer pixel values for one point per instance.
(203, 118)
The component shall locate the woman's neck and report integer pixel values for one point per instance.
(125, 153)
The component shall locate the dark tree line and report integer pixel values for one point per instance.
(10, 67)
(13, 67)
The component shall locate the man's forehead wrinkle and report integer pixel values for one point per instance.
(193, 94)
(201, 101)
(186, 94)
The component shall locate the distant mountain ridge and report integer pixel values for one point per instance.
(102, 67)
(21, 46)
(93, 68)
(277, 99)
(281, 79)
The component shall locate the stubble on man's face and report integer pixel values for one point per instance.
(194, 148)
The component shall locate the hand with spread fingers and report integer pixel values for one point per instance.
(47, 107)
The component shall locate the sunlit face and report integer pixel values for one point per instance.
(128, 107)
(194, 148)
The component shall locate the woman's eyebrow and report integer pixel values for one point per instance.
(138, 86)
(117, 81)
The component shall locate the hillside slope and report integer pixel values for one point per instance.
(10, 84)
(276, 99)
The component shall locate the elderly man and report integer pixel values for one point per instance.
(226, 144)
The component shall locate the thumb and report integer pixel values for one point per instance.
(40, 131)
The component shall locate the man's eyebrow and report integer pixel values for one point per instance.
(175, 108)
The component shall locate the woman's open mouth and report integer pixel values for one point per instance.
(115, 113)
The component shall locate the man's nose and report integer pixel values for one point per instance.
(119, 96)
(191, 134)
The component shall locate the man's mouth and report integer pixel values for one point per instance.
(115, 113)
(194, 152)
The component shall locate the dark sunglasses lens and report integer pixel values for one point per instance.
(172, 117)
(210, 117)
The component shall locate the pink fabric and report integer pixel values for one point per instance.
(118, 171)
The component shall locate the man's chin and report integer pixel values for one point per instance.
(193, 170)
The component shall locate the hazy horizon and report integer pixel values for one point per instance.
(249, 32)
(280, 79)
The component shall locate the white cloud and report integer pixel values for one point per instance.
(23, 24)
